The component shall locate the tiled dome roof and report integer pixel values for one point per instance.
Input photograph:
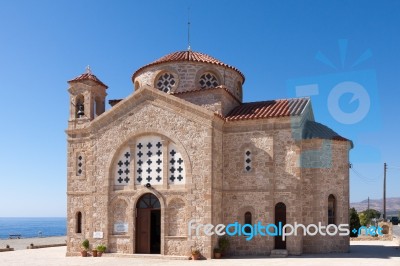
(187, 56)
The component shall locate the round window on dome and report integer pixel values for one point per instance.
(208, 80)
(166, 82)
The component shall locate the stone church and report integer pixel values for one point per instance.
(185, 147)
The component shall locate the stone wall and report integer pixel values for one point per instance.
(217, 100)
(273, 178)
(188, 75)
(319, 181)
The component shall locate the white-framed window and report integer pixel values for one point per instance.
(148, 160)
(122, 168)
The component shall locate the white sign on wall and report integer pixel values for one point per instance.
(121, 228)
(97, 234)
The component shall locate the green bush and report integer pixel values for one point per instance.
(223, 243)
(101, 248)
(85, 244)
(354, 222)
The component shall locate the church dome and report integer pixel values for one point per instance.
(188, 56)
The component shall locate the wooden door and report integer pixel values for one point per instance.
(148, 224)
(143, 231)
(280, 216)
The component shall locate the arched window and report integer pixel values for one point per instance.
(98, 107)
(166, 82)
(247, 220)
(331, 209)
(79, 106)
(78, 228)
(208, 80)
(148, 155)
(148, 201)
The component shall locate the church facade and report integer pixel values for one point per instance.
(184, 148)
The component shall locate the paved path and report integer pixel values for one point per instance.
(382, 253)
(18, 244)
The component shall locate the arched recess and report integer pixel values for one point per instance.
(176, 217)
(79, 106)
(78, 222)
(208, 69)
(130, 141)
(280, 217)
(119, 214)
(331, 209)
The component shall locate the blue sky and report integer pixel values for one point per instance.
(274, 43)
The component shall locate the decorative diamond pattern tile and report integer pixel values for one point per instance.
(79, 165)
(247, 161)
(148, 163)
(149, 160)
(176, 167)
(122, 176)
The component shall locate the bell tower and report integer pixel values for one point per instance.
(87, 99)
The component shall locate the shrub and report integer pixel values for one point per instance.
(101, 248)
(85, 244)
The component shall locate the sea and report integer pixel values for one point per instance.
(33, 227)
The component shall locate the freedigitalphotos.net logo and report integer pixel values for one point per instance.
(346, 98)
(252, 230)
(368, 231)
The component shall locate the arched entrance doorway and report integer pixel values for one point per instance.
(280, 216)
(148, 224)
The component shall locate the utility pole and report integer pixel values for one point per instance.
(368, 204)
(384, 191)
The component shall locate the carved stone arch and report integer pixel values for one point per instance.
(142, 191)
(115, 198)
(210, 69)
(175, 197)
(130, 138)
(176, 219)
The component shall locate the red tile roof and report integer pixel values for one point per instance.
(88, 76)
(268, 109)
(187, 56)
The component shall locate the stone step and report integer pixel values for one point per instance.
(279, 253)
(146, 256)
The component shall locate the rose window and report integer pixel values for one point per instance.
(208, 80)
(165, 82)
